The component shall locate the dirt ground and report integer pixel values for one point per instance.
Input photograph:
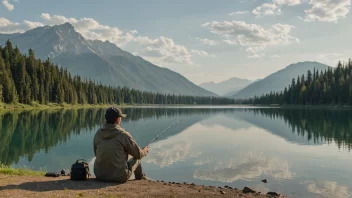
(40, 186)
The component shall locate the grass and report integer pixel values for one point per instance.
(8, 170)
(36, 105)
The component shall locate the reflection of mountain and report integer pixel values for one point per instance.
(69, 133)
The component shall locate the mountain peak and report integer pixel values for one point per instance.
(66, 26)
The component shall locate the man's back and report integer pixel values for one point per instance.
(112, 145)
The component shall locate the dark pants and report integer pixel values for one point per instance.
(134, 166)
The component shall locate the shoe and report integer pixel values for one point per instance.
(142, 177)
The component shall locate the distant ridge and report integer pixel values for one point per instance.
(279, 80)
(225, 87)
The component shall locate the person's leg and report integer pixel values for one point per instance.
(135, 167)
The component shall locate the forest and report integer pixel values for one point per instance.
(328, 87)
(26, 79)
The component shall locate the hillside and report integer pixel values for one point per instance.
(101, 61)
(228, 86)
(277, 81)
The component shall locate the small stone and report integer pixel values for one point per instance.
(162, 181)
(248, 190)
(273, 194)
(222, 192)
(265, 181)
(230, 187)
(165, 184)
(226, 186)
(177, 183)
(192, 184)
(198, 190)
(220, 187)
(184, 183)
(173, 182)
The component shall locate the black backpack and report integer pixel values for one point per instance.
(80, 170)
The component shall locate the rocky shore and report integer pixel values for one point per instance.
(40, 186)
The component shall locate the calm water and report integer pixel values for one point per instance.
(302, 153)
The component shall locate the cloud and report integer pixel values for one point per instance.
(267, 9)
(8, 5)
(164, 49)
(275, 56)
(327, 189)
(9, 27)
(202, 53)
(238, 13)
(254, 38)
(327, 10)
(248, 166)
(230, 42)
(208, 41)
(287, 2)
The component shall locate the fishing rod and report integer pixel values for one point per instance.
(162, 133)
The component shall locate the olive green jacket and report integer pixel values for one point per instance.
(112, 145)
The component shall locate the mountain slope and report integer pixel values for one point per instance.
(101, 61)
(224, 87)
(278, 80)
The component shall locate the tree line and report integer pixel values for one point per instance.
(332, 86)
(26, 79)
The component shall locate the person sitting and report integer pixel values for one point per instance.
(112, 147)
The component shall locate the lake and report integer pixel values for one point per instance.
(302, 153)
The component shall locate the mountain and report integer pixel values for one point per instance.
(224, 87)
(101, 61)
(279, 80)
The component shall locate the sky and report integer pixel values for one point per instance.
(204, 40)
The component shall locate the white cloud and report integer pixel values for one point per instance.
(163, 49)
(254, 38)
(327, 10)
(207, 41)
(287, 2)
(275, 56)
(267, 9)
(230, 42)
(9, 27)
(8, 5)
(202, 53)
(31, 25)
(238, 13)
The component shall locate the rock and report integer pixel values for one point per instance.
(230, 187)
(184, 183)
(265, 181)
(273, 194)
(222, 192)
(192, 184)
(162, 181)
(226, 186)
(177, 183)
(173, 183)
(198, 190)
(248, 190)
(220, 187)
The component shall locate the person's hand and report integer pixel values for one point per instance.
(146, 149)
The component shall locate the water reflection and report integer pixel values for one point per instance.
(306, 151)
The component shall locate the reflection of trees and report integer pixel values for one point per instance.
(317, 125)
(24, 133)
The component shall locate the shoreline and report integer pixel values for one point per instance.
(40, 186)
